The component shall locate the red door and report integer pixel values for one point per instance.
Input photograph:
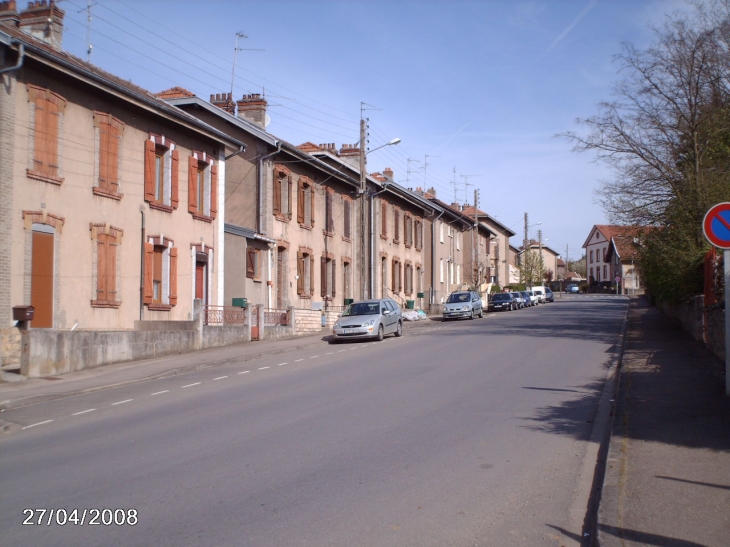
(41, 280)
(200, 282)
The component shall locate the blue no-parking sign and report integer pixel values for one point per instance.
(717, 225)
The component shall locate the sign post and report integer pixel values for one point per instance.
(716, 227)
(618, 282)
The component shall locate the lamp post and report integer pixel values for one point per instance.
(365, 272)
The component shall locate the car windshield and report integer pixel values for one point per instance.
(458, 297)
(501, 296)
(363, 308)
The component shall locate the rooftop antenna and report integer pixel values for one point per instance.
(89, 47)
(467, 183)
(425, 167)
(408, 169)
(235, 56)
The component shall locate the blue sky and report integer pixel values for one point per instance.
(482, 87)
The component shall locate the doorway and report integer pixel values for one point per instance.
(41, 279)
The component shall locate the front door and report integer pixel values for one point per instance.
(41, 280)
(201, 291)
(280, 278)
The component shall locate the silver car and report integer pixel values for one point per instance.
(369, 319)
(463, 304)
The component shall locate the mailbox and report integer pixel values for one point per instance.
(23, 313)
(240, 302)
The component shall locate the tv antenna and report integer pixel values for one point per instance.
(89, 47)
(467, 184)
(235, 56)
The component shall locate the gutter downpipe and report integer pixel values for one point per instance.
(372, 240)
(21, 57)
(259, 224)
(141, 267)
(433, 257)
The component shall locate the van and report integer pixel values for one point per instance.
(539, 292)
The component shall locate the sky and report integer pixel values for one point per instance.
(476, 90)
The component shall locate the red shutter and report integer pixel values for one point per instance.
(101, 268)
(149, 170)
(175, 178)
(115, 137)
(311, 201)
(111, 269)
(311, 274)
(383, 218)
(277, 194)
(323, 277)
(213, 189)
(149, 268)
(328, 212)
(192, 180)
(104, 138)
(40, 141)
(288, 196)
(300, 273)
(300, 203)
(52, 123)
(396, 225)
(173, 276)
(251, 263)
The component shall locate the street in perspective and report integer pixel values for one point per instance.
(369, 274)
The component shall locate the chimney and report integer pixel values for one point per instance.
(224, 102)
(9, 13)
(43, 20)
(432, 191)
(388, 174)
(351, 154)
(253, 108)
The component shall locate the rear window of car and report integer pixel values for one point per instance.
(501, 297)
(458, 297)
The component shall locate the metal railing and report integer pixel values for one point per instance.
(224, 315)
(275, 318)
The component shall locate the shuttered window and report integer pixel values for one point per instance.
(282, 193)
(109, 130)
(305, 202)
(202, 186)
(396, 225)
(161, 173)
(347, 218)
(160, 274)
(383, 219)
(47, 113)
(328, 212)
(305, 273)
(106, 240)
(328, 278)
(252, 263)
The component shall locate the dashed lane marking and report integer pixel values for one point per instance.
(39, 423)
(219, 378)
(263, 368)
(161, 392)
(244, 372)
(191, 385)
(297, 360)
(122, 402)
(83, 411)
(282, 364)
(329, 353)
(314, 356)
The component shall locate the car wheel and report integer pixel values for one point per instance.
(471, 317)
(399, 330)
(481, 313)
(381, 333)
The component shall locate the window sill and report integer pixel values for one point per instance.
(105, 304)
(204, 218)
(305, 227)
(283, 218)
(347, 239)
(408, 246)
(328, 234)
(159, 307)
(307, 296)
(37, 175)
(160, 206)
(384, 238)
(105, 194)
(396, 241)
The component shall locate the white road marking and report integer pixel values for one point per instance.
(244, 372)
(191, 385)
(330, 353)
(314, 356)
(296, 361)
(263, 368)
(282, 364)
(219, 378)
(122, 402)
(39, 423)
(341, 350)
(83, 412)
(161, 392)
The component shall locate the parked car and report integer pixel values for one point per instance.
(463, 304)
(519, 300)
(540, 293)
(501, 301)
(549, 296)
(528, 299)
(572, 288)
(533, 299)
(369, 319)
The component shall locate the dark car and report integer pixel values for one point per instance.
(549, 296)
(501, 301)
(528, 300)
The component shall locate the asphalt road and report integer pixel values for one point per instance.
(467, 433)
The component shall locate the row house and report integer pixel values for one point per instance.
(499, 254)
(111, 198)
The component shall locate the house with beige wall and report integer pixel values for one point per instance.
(499, 264)
(113, 204)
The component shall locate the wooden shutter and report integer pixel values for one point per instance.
(111, 269)
(392, 275)
(175, 178)
(149, 268)
(213, 188)
(149, 170)
(328, 212)
(300, 273)
(311, 203)
(311, 274)
(300, 202)
(192, 184)
(173, 276)
(348, 212)
(104, 146)
(396, 225)
(52, 123)
(334, 277)
(40, 140)
(323, 277)
(101, 268)
(251, 263)
(277, 194)
(383, 218)
(288, 196)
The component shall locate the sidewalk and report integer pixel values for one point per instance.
(668, 471)
(34, 390)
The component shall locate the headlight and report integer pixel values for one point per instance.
(465, 308)
(369, 323)
(337, 324)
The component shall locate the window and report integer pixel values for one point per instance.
(408, 278)
(305, 269)
(458, 274)
(329, 220)
(202, 186)
(396, 225)
(591, 257)
(161, 168)
(408, 230)
(327, 277)
(305, 202)
(396, 280)
(419, 234)
(347, 218)
(253, 263)
(282, 193)
(160, 274)
(108, 134)
(46, 123)
(441, 231)
(458, 241)
(383, 219)
(346, 275)
(105, 276)
(605, 272)
(441, 270)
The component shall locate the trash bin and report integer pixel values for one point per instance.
(410, 304)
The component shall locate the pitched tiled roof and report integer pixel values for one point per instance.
(310, 147)
(174, 93)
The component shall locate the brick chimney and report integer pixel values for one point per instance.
(224, 102)
(388, 174)
(43, 20)
(9, 13)
(253, 108)
(351, 154)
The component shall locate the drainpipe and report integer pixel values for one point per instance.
(433, 257)
(141, 267)
(372, 240)
(21, 57)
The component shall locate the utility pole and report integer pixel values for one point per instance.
(363, 219)
(540, 263)
(523, 273)
(474, 240)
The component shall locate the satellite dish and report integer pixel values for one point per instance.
(267, 120)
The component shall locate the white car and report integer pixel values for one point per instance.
(539, 292)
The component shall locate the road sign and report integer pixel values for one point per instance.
(716, 225)
(617, 279)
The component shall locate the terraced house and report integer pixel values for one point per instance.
(112, 217)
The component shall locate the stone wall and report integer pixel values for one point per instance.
(691, 315)
(310, 321)
(10, 348)
(716, 332)
(216, 336)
